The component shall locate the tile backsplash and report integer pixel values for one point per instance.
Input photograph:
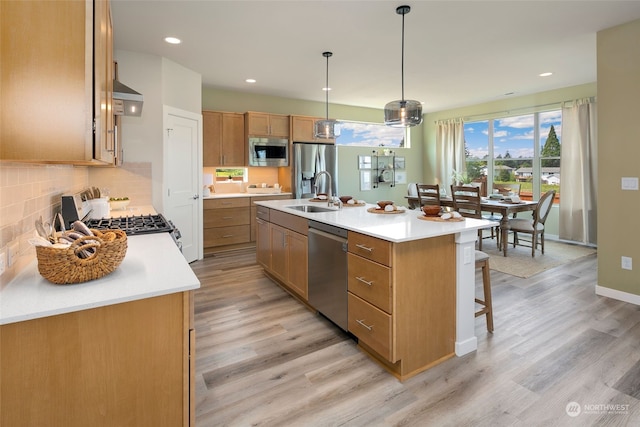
(28, 191)
(132, 180)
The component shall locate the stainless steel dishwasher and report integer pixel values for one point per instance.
(328, 271)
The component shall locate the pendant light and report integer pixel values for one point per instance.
(403, 113)
(328, 128)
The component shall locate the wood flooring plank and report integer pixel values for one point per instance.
(265, 359)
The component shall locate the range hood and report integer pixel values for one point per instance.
(126, 101)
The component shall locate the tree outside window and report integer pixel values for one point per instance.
(521, 150)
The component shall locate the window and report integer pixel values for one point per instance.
(521, 150)
(360, 134)
(231, 175)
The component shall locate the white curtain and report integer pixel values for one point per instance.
(449, 151)
(579, 173)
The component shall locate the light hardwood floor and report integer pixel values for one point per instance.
(263, 359)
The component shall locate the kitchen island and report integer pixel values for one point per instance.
(411, 282)
(113, 351)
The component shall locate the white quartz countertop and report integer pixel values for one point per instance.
(231, 195)
(153, 266)
(392, 227)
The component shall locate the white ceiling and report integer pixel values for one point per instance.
(457, 53)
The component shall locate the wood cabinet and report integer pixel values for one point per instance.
(283, 250)
(255, 208)
(226, 221)
(401, 299)
(128, 364)
(231, 223)
(47, 70)
(303, 130)
(263, 242)
(267, 125)
(223, 141)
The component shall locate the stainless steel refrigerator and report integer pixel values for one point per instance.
(308, 160)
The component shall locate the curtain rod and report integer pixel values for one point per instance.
(559, 104)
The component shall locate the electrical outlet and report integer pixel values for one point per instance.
(3, 264)
(627, 263)
(12, 254)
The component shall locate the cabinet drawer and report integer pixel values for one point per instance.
(226, 217)
(221, 236)
(371, 248)
(262, 212)
(370, 281)
(232, 202)
(292, 222)
(371, 325)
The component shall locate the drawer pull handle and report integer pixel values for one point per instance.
(226, 203)
(366, 282)
(227, 217)
(226, 236)
(364, 325)
(364, 247)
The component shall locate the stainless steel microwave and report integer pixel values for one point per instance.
(268, 152)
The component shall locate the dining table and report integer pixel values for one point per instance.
(503, 207)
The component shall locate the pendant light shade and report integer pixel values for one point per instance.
(403, 113)
(328, 128)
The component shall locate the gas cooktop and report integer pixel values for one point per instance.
(132, 225)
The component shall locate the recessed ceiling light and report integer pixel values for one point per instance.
(172, 40)
(545, 74)
(250, 80)
(326, 88)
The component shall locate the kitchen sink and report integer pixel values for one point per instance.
(310, 208)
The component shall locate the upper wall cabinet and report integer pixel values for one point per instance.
(267, 125)
(303, 130)
(223, 141)
(47, 74)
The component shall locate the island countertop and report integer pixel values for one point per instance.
(400, 227)
(153, 266)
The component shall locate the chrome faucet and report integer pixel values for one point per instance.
(330, 200)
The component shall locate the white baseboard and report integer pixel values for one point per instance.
(467, 346)
(619, 295)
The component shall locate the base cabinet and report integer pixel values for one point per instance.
(402, 301)
(128, 364)
(231, 223)
(282, 249)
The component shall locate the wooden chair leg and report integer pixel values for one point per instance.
(534, 244)
(486, 287)
(480, 239)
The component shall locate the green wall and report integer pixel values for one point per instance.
(618, 154)
(348, 173)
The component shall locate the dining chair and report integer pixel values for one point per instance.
(534, 225)
(505, 189)
(467, 201)
(428, 194)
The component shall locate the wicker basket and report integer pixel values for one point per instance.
(79, 263)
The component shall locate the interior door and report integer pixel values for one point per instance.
(182, 175)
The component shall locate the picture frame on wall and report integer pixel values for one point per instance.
(399, 163)
(364, 162)
(365, 180)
